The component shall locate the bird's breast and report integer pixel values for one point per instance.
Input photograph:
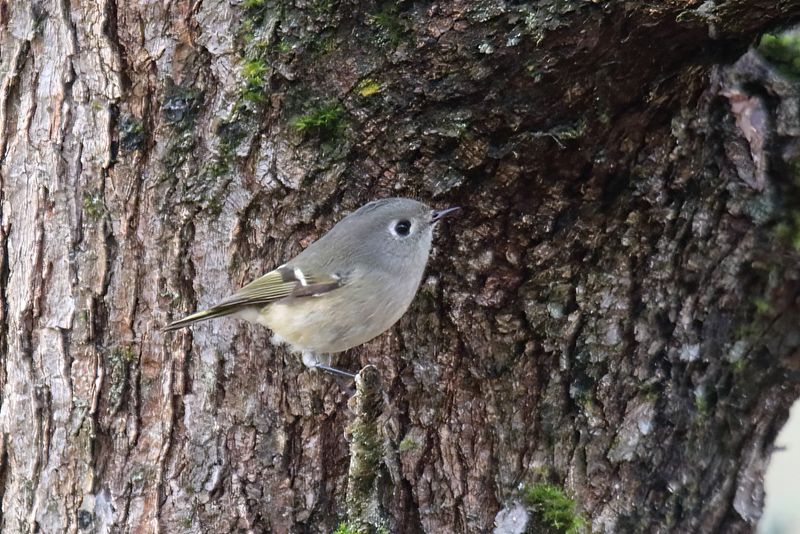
(343, 318)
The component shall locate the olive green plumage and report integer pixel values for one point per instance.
(347, 287)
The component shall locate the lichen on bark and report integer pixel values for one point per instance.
(366, 450)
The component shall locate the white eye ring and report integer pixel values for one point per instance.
(401, 228)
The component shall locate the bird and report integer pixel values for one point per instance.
(344, 289)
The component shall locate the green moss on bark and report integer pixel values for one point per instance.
(554, 511)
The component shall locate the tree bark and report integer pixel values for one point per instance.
(614, 312)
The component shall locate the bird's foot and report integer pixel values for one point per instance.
(335, 371)
(314, 361)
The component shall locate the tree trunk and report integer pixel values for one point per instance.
(614, 312)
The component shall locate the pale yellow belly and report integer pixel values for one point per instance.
(320, 324)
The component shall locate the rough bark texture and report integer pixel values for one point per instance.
(615, 312)
(366, 451)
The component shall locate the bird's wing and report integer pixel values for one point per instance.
(283, 282)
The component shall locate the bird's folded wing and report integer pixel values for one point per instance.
(283, 282)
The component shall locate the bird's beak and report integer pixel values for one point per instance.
(439, 214)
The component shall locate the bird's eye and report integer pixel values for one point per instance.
(402, 228)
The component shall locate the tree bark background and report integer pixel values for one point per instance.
(615, 311)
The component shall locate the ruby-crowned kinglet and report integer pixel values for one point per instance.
(346, 288)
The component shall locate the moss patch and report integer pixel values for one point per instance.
(345, 528)
(93, 205)
(325, 121)
(131, 133)
(783, 50)
(255, 73)
(408, 444)
(368, 87)
(389, 26)
(553, 509)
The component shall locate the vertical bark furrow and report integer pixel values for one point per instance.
(166, 444)
(4, 473)
(9, 95)
(4, 311)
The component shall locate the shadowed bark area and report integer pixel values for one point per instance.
(614, 312)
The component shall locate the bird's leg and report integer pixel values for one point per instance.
(313, 361)
(335, 371)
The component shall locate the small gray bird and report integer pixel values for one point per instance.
(349, 286)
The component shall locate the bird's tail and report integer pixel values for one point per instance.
(216, 311)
